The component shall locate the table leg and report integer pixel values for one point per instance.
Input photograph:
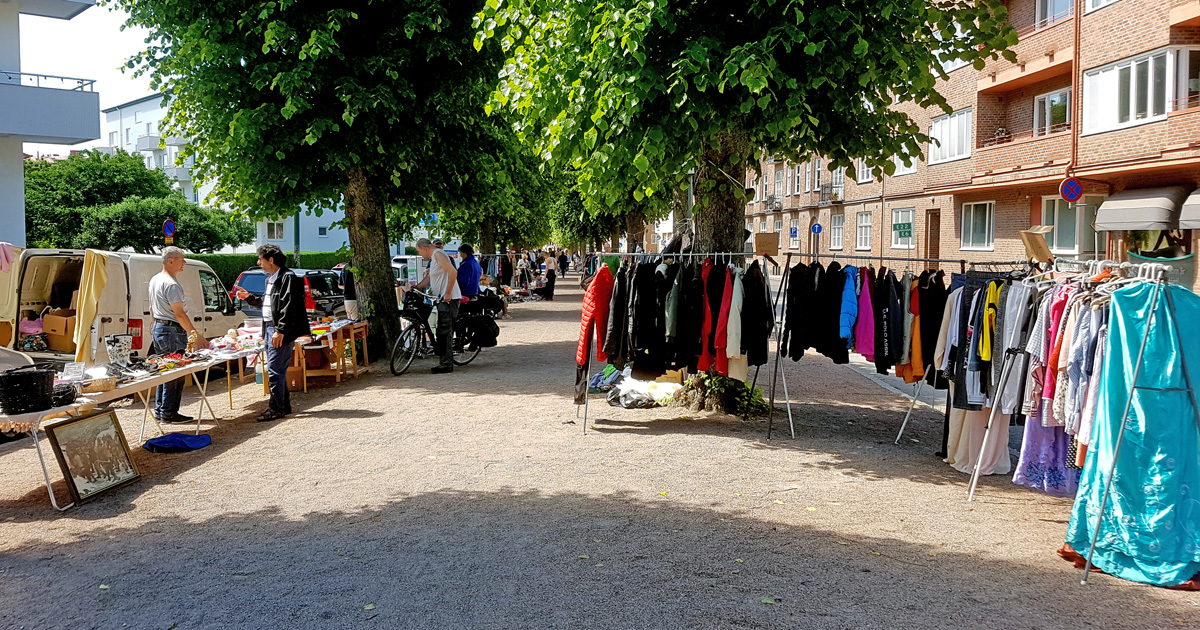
(145, 413)
(203, 399)
(262, 363)
(229, 382)
(46, 474)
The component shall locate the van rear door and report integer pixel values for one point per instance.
(9, 301)
(112, 312)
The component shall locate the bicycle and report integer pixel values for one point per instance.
(417, 338)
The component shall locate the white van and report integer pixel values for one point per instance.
(46, 281)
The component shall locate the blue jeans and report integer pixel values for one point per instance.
(278, 360)
(168, 339)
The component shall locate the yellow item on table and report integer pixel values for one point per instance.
(92, 281)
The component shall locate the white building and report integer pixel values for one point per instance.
(136, 127)
(36, 108)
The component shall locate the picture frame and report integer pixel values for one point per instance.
(93, 454)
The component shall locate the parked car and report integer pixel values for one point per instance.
(47, 281)
(322, 292)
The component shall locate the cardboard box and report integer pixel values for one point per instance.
(60, 322)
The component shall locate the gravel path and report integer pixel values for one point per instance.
(472, 500)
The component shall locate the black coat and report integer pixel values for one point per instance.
(827, 338)
(615, 341)
(758, 315)
(289, 315)
(931, 296)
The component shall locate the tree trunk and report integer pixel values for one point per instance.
(368, 232)
(487, 236)
(615, 241)
(721, 210)
(635, 229)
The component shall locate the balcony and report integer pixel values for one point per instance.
(179, 173)
(1006, 138)
(1187, 14)
(149, 142)
(1046, 22)
(49, 109)
(773, 203)
(1047, 66)
(832, 193)
(60, 9)
(1023, 151)
(175, 141)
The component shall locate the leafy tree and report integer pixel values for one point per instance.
(575, 226)
(137, 223)
(636, 93)
(56, 193)
(375, 105)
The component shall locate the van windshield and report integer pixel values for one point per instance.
(255, 283)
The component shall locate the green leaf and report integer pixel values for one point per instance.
(641, 163)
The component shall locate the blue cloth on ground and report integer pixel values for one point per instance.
(177, 443)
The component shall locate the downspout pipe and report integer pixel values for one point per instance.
(1076, 97)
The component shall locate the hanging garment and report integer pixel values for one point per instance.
(998, 338)
(1035, 353)
(690, 340)
(931, 293)
(976, 366)
(1054, 337)
(615, 342)
(595, 318)
(674, 299)
(1018, 305)
(721, 338)
(827, 338)
(864, 326)
(849, 314)
(647, 323)
(758, 316)
(1059, 400)
(1150, 528)
(888, 320)
(906, 285)
(802, 293)
(711, 313)
(738, 368)
(913, 370)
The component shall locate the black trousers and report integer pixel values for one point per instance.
(443, 343)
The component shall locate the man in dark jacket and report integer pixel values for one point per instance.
(284, 319)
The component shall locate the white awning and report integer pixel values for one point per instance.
(1189, 217)
(1141, 209)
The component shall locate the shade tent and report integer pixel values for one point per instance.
(1142, 209)
(1189, 217)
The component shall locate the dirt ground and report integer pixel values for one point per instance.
(473, 500)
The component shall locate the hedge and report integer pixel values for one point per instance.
(229, 266)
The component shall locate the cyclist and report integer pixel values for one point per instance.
(442, 281)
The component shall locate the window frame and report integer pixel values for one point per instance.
(1081, 247)
(860, 169)
(991, 227)
(901, 169)
(808, 170)
(779, 179)
(322, 231)
(817, 174)
(897, 242)
(837, 231)
(858, 231)
(221, 297)
(279, 230)
(938, 148)
(950, 65)
(799, 175)
(1097, 97)
(794, 241)
(1038, 131)
(1093, 5)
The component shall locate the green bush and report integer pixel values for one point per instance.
(229, 266)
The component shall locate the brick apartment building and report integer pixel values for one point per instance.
(1010, 140)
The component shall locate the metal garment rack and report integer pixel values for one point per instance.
(716, 256)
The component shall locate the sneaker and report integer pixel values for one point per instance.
(442, 369)
(269, 415)
(176, 418)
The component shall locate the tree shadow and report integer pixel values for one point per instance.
(507, 558)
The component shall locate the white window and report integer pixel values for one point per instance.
(950, 137)
(1129, 92)
(778, 183)
(902, 218)
(112, 138)
(1074, 224)
(765, 181)
(762, 225)
(149, 128)
(794, 234)
(127, 130)
(862, 174)
(808, 176)
(1052, 112)
(753, 189)
(1188, 79)
(779, 225)
(902, 168)
(817, 174)
(837, 230)
(798, 186)
(274, 230)
(324, 231)
(950, 65)
(1051, 11)
(137, 117)
(863, 234)
(1096, 4)
(196, 199)
(977, 229)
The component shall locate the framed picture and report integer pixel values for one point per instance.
(93, 454)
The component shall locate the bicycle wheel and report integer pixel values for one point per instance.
(405, 350)
(462, 356)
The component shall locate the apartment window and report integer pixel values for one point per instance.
(112, 138)
(796, 187)
(779, 182)
(817, 174)
(862, 174)
(1096, 4)
(127, 130)
(274, 230)
(977, 228)
(196, 199)
(1189, 79)
(1129, 92)
(765, 181)
(863, 233)
(794, 234)
(762, 225)
(808, 176)
(324, 231)
(779, 226)
(1074, 225)
(837, 230)
(902, 217)
(951, 137)
(950, 65)
(1052, 112)
(754, 188)
(137, 117)
(1051, 11)
(902, 168)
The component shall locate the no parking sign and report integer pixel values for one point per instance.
(1071, 189)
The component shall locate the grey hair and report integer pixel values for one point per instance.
(170, 252)
(424, 242)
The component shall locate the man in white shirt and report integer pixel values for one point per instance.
(172, 326)
(442, 280)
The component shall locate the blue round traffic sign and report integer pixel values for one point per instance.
(816, 228)
(1071, 189)
(168, 228)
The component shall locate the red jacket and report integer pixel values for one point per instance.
(595, 312)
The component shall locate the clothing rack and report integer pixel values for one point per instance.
(962, 263)
(728, 256)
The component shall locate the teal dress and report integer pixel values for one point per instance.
(1151, 527)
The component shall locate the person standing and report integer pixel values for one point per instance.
(443, 283)
(284, 319)
(469, 271)
(564, 263)
(547, 292)
(350, 293)
(172, 326)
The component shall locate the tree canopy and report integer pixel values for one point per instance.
(637, 93)
(137, 223)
